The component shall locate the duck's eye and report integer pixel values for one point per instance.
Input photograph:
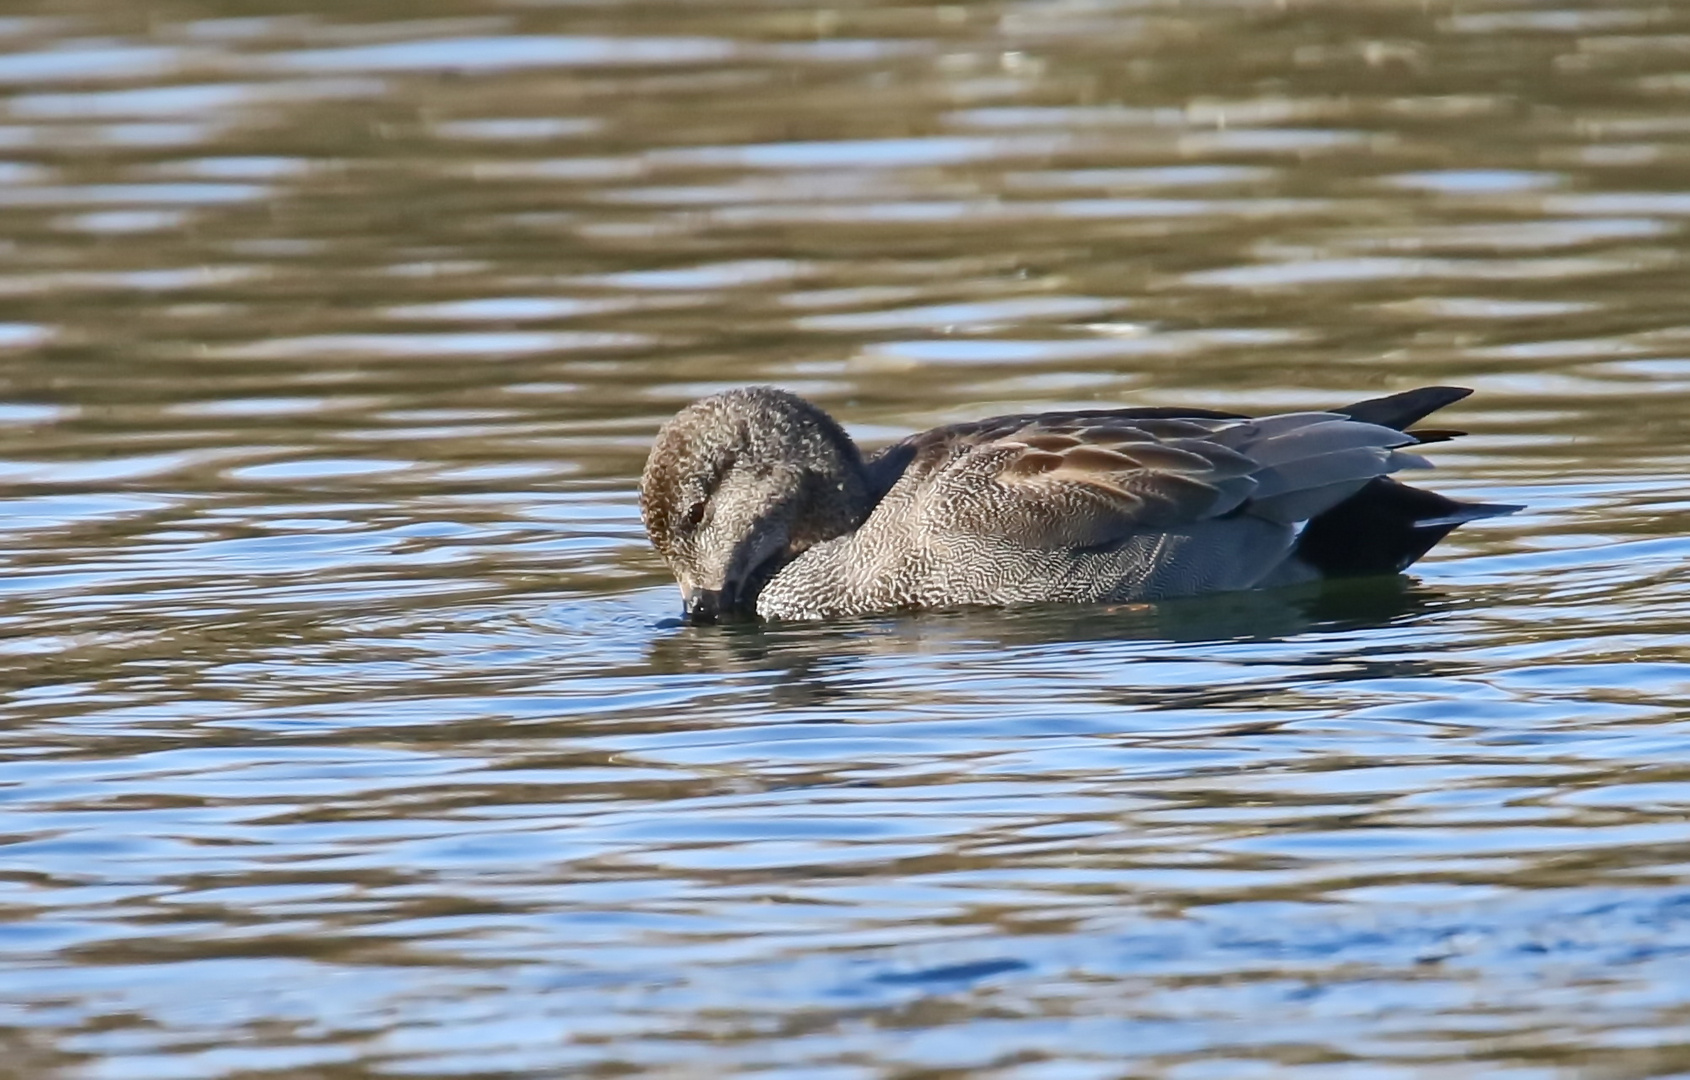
(695, 514)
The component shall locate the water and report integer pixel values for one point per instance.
(348, 730)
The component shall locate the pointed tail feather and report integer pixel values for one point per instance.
(1401, 410)
(1465, 512)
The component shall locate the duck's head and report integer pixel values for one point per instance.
(740, 483)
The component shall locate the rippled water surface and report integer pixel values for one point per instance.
(348, 730)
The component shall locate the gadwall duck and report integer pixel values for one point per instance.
(761, 504)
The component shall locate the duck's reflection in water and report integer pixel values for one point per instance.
(815, 664)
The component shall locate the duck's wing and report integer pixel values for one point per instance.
(921, 453)
(1087, 480)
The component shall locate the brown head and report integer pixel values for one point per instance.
(740, 483)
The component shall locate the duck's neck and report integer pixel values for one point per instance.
(835, 492)
(824, 491)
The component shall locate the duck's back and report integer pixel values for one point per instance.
(1127, 504)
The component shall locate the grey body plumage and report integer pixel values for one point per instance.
(760, 503)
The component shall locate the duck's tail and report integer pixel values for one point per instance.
(1386, 526)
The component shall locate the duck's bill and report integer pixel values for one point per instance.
(736, 601)
(703, 605)
(713, 605)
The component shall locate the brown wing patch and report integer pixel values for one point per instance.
(1225, 463)
(1172, 499)
(1050, 441)
(1097, 482)
(1120, 451)
(1097, 459)
(1160, 457)
(1033, 461)
(923, 454)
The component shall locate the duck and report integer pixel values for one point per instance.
(763, 507)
